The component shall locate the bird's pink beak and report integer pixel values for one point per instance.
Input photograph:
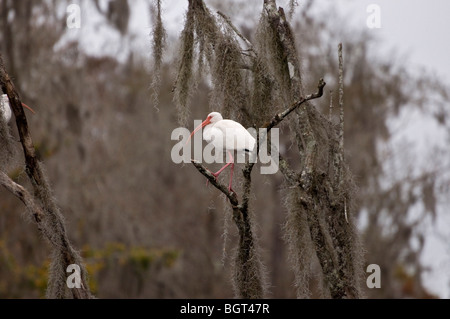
(204, 123)
(29, 108)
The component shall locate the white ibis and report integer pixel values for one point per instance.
(227, 135)
(5, 107)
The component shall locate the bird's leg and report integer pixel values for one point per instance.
(220, 170)
(229, 162)
(216, 174)
(231, 171)
(231, 178)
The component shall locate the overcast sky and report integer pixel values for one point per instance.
(417, 27)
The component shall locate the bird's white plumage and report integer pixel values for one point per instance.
(5, 109)
(228, 134)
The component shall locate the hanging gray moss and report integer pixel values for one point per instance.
(252, 83)
(159, 40)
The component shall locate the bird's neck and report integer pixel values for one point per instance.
(207, 132)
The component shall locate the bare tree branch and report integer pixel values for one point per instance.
(280, 116)
(21, 193)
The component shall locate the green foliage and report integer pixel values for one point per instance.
(115, 255)
(25, 277)
(37, 277)
(139, 260)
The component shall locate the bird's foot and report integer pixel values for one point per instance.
(213, 174)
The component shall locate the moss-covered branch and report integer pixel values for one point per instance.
(47, 214)
(21, 193)
(325, 211)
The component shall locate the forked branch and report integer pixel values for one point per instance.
(43, 206)
(21, 193)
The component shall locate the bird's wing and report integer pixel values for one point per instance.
(236, 137)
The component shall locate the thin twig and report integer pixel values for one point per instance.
(280, 116)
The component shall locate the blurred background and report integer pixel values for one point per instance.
(149, 228)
